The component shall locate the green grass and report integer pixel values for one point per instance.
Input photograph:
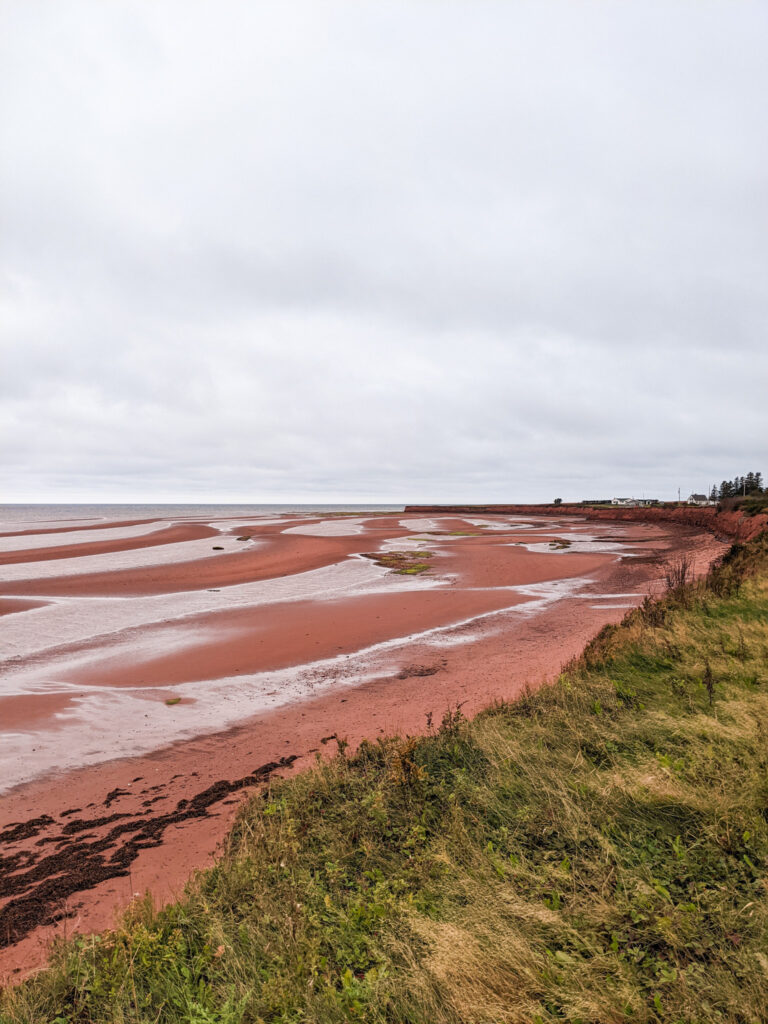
(594, 852)
(402, 563)
(754, 504)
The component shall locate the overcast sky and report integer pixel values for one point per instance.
(468, 251)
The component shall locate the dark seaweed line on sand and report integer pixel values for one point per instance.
(26, 829)
(81, 866)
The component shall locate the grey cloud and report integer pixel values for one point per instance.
(403, 251)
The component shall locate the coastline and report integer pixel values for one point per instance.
(732, 525)
(157, 847)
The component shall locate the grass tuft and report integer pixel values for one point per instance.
(403, 563)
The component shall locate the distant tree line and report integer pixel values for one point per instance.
(752, 483)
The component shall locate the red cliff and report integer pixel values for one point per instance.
(734, 525)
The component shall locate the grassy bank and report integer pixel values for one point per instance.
(595, 852)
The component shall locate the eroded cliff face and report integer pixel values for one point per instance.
(734, 525)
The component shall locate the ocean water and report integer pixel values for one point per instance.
(21, 517)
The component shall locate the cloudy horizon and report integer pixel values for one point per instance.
(400, 252)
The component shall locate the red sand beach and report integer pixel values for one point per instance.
(267, 649)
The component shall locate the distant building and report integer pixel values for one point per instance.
(635, 502)
(699, 499)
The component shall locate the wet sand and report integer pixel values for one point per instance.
(286, 642)
(36, 531)
(168, 535)
(9, 606)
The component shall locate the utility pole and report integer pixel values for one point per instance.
(678, 495)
